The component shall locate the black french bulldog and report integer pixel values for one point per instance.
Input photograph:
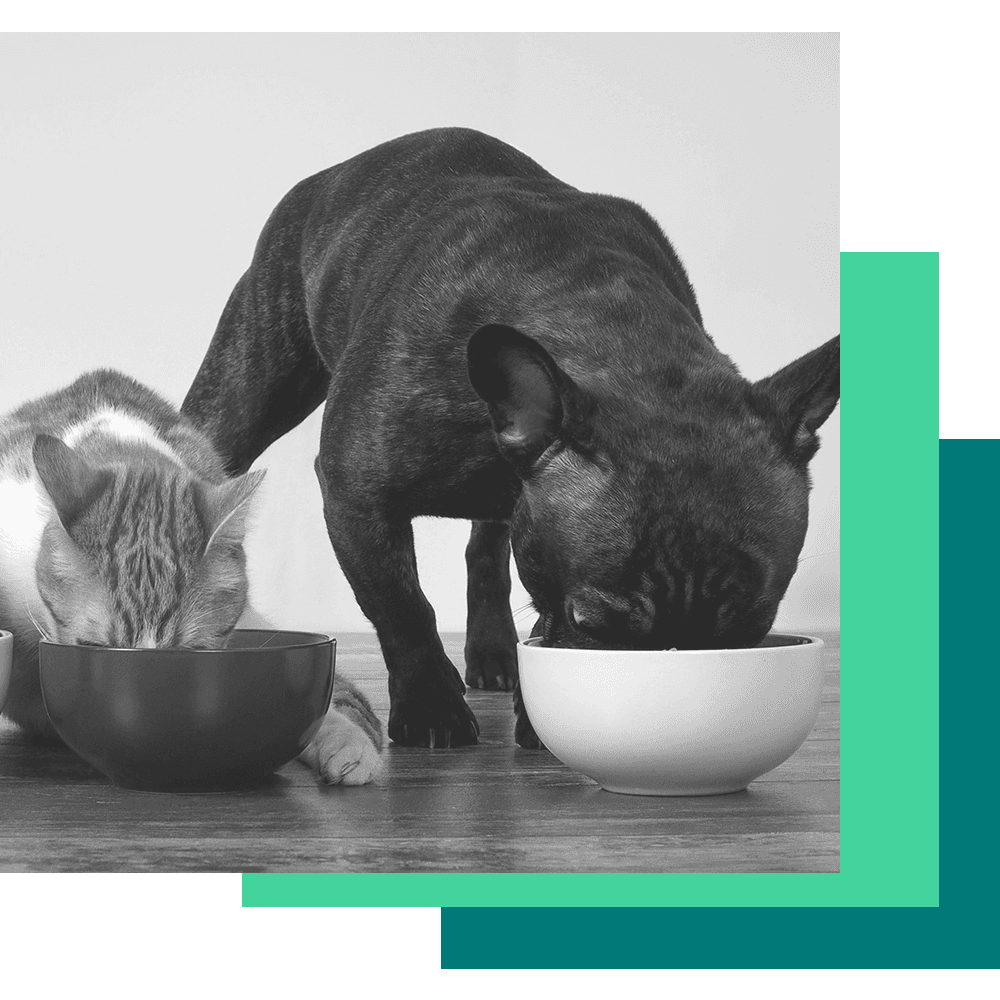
(496, 345)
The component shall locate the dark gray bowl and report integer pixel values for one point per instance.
(186, 720)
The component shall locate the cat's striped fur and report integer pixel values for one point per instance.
(119, 527)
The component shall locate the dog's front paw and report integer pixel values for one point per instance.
(524, 732)
(525, 736)
(342, 753)
(434, 718)
(491, 666)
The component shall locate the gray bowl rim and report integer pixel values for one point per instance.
(814, 642)
(4, 634)
(319, 639)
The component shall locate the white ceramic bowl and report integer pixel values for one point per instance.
(6, 658)
(687, 722)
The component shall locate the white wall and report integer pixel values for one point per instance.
(137, 171)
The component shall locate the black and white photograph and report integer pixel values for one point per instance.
(420, 452)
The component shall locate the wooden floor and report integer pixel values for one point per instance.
(490, 808)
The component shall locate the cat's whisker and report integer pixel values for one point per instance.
(199, 619)
(34, 621)
(203, 616)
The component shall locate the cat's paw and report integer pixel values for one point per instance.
(342, 753)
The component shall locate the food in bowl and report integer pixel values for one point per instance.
(186, 719)
(673, 722)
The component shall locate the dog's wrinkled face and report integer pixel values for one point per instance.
(684, 532)
(641, 564)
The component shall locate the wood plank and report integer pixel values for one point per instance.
(440, 809)
(763, 852)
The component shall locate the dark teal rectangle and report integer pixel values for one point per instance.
(960, 933)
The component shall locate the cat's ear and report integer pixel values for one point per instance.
(67, 579)
(226, 508)
(531, 400)
(802, 395)
(71, 482)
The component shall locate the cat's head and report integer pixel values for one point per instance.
(656, 512)
(140, 556)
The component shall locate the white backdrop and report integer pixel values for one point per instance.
(138, 170)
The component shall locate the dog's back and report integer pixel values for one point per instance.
(451, 226)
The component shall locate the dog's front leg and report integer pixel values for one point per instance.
(426, 693)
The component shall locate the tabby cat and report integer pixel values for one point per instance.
(119, 527)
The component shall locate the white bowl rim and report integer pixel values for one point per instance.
(813, 642)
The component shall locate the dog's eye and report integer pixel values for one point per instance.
(585, 619)
(590, 615)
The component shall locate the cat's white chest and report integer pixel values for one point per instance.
(25, 509)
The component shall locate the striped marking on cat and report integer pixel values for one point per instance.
(117, 423)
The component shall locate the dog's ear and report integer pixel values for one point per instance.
(530, 398)
(801, 396)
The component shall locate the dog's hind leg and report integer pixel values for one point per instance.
(262, 374)
(491, 639)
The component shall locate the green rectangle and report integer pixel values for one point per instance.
(889, 801)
